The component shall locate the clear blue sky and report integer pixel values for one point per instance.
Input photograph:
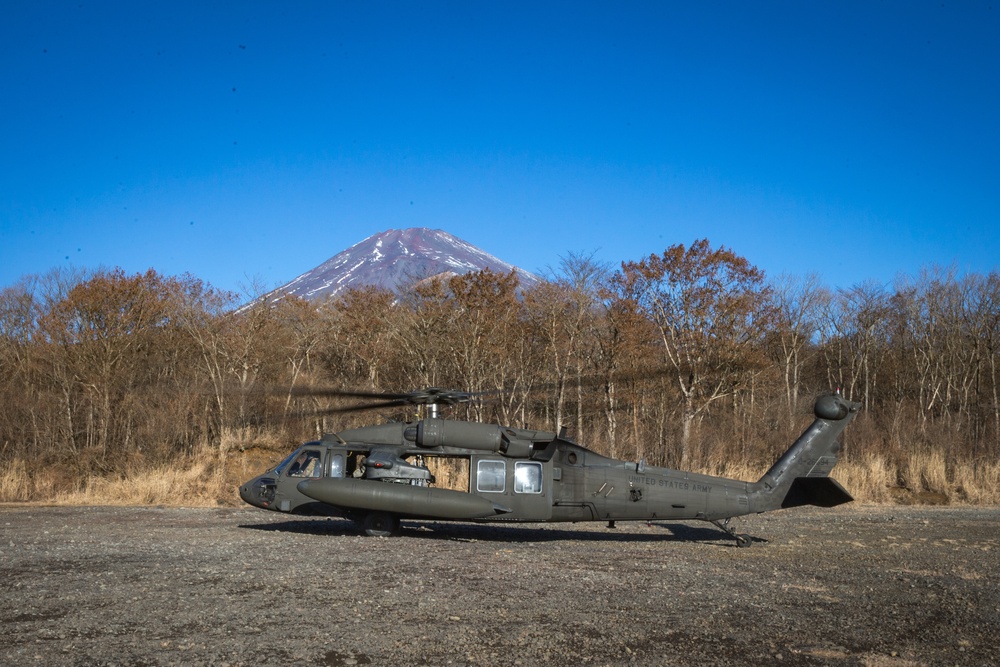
(243, 141)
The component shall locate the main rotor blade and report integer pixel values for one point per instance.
(431, 395)
(343, 393)
(361, 407)
(599, 380)
(380, 401)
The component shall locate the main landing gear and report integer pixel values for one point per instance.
(742, 539)
(380, 524)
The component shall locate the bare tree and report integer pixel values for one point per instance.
(205, 315)
(855, 332)
(988, 329)
(486, 324)
(563, 313)
(797, 303)
(711, 310)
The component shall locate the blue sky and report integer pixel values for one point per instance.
(250, 141)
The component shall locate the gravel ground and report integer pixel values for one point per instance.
(882, 586)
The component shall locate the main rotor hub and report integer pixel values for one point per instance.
(436, 396)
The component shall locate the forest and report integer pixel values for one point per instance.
(162, 389)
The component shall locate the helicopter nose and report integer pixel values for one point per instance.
(247, 495)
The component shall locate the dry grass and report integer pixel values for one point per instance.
(15, 482)
(922, 477)
(209, 478)
(736, 470)
(449, 473)
(869, 480)
(979, 482)
(199, 484)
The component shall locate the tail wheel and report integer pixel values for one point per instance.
(380, 524)
(742, 539)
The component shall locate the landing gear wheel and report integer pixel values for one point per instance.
(742, 539)
(380, 524)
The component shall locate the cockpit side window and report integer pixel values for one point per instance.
(306, 464)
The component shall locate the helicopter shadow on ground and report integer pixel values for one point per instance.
(484, 532)
(658, 532)
(307, 526)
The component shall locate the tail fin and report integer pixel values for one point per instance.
(801, 475)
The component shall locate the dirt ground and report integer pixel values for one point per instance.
(887, 586)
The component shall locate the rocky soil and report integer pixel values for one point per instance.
(885, 586)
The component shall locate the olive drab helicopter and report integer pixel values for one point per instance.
(377, 475)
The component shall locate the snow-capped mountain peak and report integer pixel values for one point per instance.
(394, 259)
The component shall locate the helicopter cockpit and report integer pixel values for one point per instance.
(278, 487)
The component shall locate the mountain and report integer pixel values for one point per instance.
(395, 259)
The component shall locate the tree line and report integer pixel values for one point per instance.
(691, 358)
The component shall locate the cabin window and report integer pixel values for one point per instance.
(337, 465)
(306, 464)
(491, 476)
(527, 477)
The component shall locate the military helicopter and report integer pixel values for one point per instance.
(377, 475)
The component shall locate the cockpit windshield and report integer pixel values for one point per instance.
(281, 466)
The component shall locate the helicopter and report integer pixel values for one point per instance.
(378, 475)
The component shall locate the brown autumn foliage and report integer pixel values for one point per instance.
(692, 358)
